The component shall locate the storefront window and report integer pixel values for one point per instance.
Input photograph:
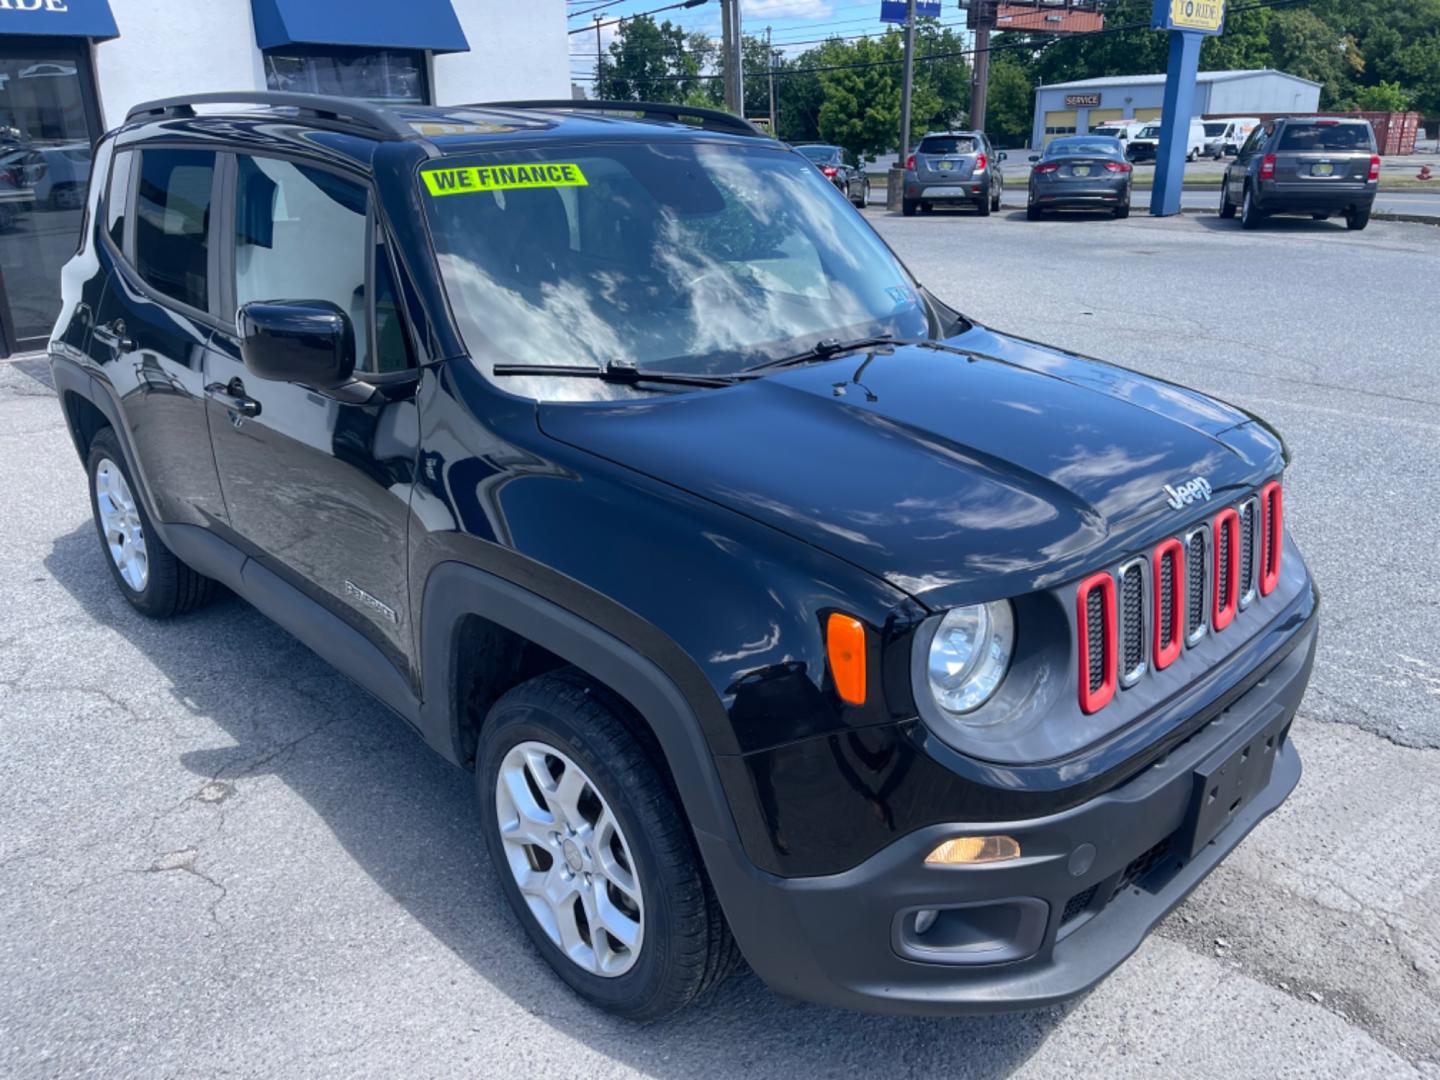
(47, 119)
(394, 76)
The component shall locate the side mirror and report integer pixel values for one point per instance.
(1034, 157)
(310, 342)
(1000, 155)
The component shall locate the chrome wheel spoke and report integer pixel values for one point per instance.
(577, 879)
(120, 523)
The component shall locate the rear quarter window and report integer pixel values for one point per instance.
(172, 223)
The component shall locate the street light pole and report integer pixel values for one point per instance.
(909, 80)
(599, 57)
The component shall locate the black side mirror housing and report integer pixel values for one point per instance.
(310, 342)
(1034, 157)
(1001, 155)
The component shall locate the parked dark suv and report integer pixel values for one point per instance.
(778, 609)
(1319, 166)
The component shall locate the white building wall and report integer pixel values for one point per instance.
(517, 50)
(170, 47)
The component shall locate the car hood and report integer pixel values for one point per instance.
(954, 478)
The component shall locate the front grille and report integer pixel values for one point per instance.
(1076, 905)
(1195, 565)
(1249, 536)
(1142, 866)
(1132, 622)
(1201, 581)
(1095, 613)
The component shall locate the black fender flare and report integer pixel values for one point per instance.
(455, 591)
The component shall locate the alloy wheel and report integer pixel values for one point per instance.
(570, 858)
(120, 521)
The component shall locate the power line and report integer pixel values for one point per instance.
(1046, 42)
(639, 15)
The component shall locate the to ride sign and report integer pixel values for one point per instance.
(1195, 16)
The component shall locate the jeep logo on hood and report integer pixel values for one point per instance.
(1188, 492)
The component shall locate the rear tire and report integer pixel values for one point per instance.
(864, 199)
(1033, 213)
(983, 207)
(1122, 211)
(1356, 218)
(1250, 216)
(927, 208)
(155, 582)
(908, 207)
(1227, 208)
(620, 824)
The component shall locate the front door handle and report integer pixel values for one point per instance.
(232, 395)
(113, 335)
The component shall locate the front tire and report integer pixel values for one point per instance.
(594, 853)
(155, 582)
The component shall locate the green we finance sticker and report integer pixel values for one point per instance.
(502, 177)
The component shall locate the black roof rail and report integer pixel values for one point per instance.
(710, 119)
(377, 119)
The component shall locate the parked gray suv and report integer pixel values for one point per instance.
(1304, 165)
(953, 168)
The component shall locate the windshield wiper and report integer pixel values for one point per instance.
(624, 374)
(824, 350)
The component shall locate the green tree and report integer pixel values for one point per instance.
(1383, 97)
(1011, 102)
(650, 61)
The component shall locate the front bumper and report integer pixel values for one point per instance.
(1092, 882)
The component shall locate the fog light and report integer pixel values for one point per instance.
(968, 850)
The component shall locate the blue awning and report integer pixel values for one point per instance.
(385, 24)
(59, 18)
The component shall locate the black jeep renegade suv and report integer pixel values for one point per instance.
(778, 609)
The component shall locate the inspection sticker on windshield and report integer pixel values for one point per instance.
(503, 177)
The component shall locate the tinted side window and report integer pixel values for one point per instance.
(117, 197)
(172, 222)
(1255, 142)
(300, 234)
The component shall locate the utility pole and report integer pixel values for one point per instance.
(909, 80)
(770, 63)
(727, 54)
(737, 41)
(980, 17)
(599, 57)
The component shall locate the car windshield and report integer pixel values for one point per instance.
(1214, 130)
(947, 144)
(819, 153)
(1084, 148)
(1340, 137)
(1151, 132)
(695, 257)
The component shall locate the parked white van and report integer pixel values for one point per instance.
(1144, 144)
(1224, 137)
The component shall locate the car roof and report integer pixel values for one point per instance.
(352, 128)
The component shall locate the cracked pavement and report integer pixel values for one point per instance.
(219, 857)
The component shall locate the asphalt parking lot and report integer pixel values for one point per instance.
(219, 858)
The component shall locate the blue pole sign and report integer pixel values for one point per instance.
(893, 11)
(1187, 22)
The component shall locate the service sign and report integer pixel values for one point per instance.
(1081, 101)
(1192, 16)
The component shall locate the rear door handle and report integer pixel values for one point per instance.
(113, 335)
(232, 396)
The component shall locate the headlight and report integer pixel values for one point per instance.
(969, 656)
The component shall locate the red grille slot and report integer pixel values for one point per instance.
(1168, 576)
(1226, 591)
(1272, 521)
(1095, 620)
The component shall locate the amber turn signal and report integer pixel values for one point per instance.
(845, 644)
(968, 850)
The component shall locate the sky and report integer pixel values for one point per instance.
(794, 24)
